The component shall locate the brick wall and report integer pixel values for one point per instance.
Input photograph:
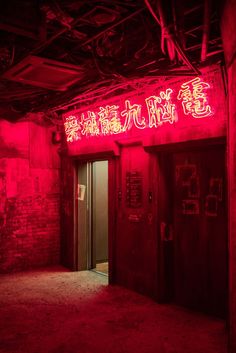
(29, 197)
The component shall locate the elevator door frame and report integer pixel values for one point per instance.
(83, 259)
(92, 240)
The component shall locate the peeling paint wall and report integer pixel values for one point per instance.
(29, 197)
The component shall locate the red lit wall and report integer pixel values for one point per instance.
(229, 43)
(136, 240)
(29, 197)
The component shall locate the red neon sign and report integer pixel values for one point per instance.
(132, 115)
(194, 99)
(116, 119)
(160, 109)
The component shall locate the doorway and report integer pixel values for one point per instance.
(92, 217)
(193, 229)
(99, 227)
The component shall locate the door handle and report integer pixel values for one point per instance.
(166, 232)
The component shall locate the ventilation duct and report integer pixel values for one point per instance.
(45, 73)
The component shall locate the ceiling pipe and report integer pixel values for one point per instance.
(192, 9)
(43, 45)
(206, 29)
(198, 46)
(197, 28)
(165, 35)
(174, 40)
(112, 26)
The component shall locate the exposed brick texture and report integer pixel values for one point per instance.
(29, 197)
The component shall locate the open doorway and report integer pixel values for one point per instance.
(92, 217)
(99, 207)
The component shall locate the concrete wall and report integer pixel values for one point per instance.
(229, 43)
(29, 197)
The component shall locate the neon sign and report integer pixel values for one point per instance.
(71, 128)
(132, 115)
(194, 99)
(160, 112)
(161, 109)
(109, 121)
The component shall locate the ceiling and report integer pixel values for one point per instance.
(98, 45)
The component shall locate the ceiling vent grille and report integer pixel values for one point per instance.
(45, 73)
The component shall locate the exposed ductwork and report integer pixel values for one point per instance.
(45, 73)
(104, 42)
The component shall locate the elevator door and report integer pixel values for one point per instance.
(197, 230)
(99, 227)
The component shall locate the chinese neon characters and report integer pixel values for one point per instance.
(132, 115)
(109, 120)
(72, 129)
(160, 109)
(112, 119)
(194, 99)
(89, 124)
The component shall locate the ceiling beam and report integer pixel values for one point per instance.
(174, 40)
(206, 29)
(192, 9)
(112, 26)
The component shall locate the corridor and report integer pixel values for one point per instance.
(53, 310)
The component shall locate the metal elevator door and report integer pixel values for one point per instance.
(99, 212)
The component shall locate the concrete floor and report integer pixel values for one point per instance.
(53, 310)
